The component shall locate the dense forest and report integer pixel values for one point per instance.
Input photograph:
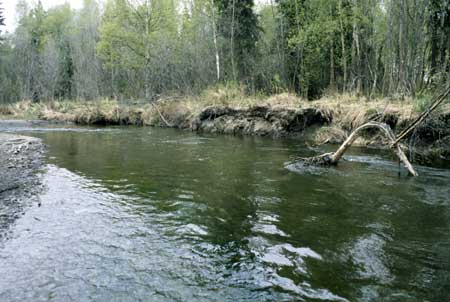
(139, 49)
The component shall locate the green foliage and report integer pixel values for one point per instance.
(238, 25)
(8, 79)
(147, 48)
(422, 102)
(270, 68)
(142, 38)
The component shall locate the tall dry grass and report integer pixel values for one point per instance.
(345, 111)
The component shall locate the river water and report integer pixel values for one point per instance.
(146, 214)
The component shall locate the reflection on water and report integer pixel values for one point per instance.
(139, 214)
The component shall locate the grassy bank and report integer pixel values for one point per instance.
(231, 111)
(114, 112)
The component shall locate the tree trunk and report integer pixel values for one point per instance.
(356, 56)
(386, 130)
(233, 63)
(344, 49)
(332, 78)
(216, 48)
(333, 158)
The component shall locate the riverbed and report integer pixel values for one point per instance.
(150, 214)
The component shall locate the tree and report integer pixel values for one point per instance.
(239, 30)
(270, 67)
(144, 48)
(438, 26)
(57, 31)
(87, 69)
(34, 24)
(135, 35)
(2, 18)
(42, 40)
(197, 58)
(312, 38)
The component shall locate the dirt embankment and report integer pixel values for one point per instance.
(326, 121)
(259, 120)
(330, 125)
(20, 157)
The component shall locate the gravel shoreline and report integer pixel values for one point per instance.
(20, 158)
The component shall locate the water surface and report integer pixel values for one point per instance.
(143, 214)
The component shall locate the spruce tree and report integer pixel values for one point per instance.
(238, 25)
(2, 18)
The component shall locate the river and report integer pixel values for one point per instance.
(147, 214)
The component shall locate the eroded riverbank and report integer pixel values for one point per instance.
(326, 121)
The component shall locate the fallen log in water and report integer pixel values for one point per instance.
(329, 159)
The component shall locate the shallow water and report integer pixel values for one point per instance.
(144, 214)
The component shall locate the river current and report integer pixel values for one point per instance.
(146, 214)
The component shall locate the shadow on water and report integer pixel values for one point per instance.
(153, 214)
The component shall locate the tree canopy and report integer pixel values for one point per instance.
(142, 48)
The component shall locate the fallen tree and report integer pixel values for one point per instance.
(329, 159)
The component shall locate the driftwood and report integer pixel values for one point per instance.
(162, 116)
(329, 159)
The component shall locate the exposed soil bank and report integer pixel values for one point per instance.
(430, 142)
(259, 120)
(20, 157)
(327, 121)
